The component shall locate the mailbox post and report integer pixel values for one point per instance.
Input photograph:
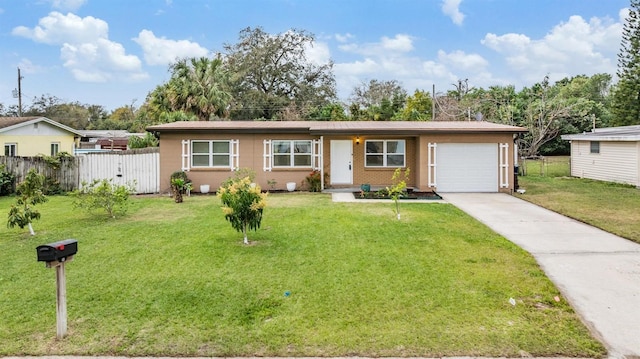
(56, 255)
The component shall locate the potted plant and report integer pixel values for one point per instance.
(291, 186)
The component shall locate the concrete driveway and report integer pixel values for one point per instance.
(598, 273)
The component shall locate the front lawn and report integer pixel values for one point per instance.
(319, 279)
(610, 206)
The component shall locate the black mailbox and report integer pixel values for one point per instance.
(57, 251)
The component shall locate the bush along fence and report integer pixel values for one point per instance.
(139, 168)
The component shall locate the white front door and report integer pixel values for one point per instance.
(341, 162)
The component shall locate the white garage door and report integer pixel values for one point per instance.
(467, 167)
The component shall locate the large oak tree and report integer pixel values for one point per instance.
(273, 76)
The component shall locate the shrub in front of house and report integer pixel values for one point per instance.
(7, 181)
(103, 194)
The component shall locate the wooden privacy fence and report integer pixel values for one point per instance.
(139, 167)
(66, 174)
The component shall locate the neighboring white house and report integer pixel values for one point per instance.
(607, 154)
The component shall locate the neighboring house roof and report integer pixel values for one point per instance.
(118, 143)
(105, 133)
(337, 127)
(10, 123)
(623, 133)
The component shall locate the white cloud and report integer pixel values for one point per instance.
(57, 29)
(318, 53)
(85, 47)
(451, 8)
(162, 51)
(401, 43)
(507, 42)
(570, 48)
(69, 5)
(343, 37)
(576, 46)
(98, 62)
(461, 60)
(365, 67)
(392, 58)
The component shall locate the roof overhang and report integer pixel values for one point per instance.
(32, 120)
(405, 128)
(589, 137)
(621, 133)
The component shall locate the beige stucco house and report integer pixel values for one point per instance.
(607, 154)
(443, 156)
(33, 136)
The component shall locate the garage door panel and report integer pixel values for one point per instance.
(467, 167)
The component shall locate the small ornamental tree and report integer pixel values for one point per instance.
(242, 204)
(399, 187)
(29, 193)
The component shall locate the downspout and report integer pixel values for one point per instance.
(516, 167)
(321, 164)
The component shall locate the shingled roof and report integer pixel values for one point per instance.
(8, 123)
(11, 121)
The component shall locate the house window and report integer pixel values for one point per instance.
(291, 153)
(595, 147)
(211, 154)
(10, 149)
(385, 153)
(55, 148)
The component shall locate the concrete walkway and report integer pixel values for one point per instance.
(598, 273)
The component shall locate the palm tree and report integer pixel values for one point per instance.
(199, 86)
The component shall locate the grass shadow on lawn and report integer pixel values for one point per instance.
(321, 279)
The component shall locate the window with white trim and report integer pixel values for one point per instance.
(594, 147)
(212, 153)
(291, 153)
(385, 153)
(10, 149)
(55, 148)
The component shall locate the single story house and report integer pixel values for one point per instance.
(33, 136)
(607, 154)
(442, 156)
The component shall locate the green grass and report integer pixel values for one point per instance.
(609, 206)
(175, 279)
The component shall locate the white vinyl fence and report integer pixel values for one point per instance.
(140, 168)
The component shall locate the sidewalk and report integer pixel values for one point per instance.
(599, 273)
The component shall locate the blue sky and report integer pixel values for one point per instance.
(114, 52)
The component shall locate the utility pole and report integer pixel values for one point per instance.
(18, 94)
(433, 103)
